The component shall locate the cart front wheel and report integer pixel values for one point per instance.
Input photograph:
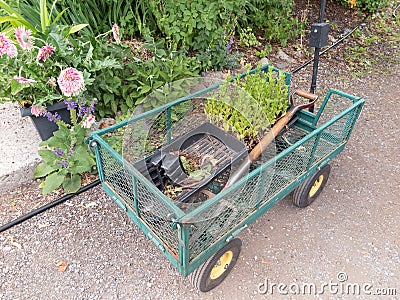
(211, 273)
(309, 190)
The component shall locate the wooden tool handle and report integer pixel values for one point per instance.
(306, 94)
(270, 136)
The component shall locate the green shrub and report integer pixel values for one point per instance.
(274, 17)
(200, 25)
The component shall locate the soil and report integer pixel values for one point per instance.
(87, 248)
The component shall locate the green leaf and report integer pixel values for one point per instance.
(17, 87)
(60, 14)
(72, 184)
(4, 19)
(108, 98)
(76, 28)
(144, 89)
(52, 182)
(42, 170)
(62, 133)
(44, 15)
(48, 156)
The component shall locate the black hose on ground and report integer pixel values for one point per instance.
(332, 46)
(48, 206)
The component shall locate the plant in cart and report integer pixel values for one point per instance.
(65, 155)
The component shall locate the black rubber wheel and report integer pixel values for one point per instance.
(309, 190)
(212, 272)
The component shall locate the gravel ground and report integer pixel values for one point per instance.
(88, 248)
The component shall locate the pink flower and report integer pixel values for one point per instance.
(24, 38)
(88, 122)
(45, 52)
(37, 110)
(71, 82)
(7, 46)
(115, 31)
(23, 80)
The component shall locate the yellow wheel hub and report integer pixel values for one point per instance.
(317, 184)
(222, 265)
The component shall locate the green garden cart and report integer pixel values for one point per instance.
(196, 225)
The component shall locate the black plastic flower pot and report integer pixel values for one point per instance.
(44, 127)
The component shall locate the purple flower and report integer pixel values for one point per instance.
(71, 152)
(58, 152)
(52, 118)
(83, 110)
(70, 104)
(64, 163)
(229, 46)
(56, 117)
(93, 105)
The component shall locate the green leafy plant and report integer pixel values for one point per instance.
(372, 43)
(275, 17)
(256, 102)
(151, 75)
(65, 155)
(247, 38)
(202, 26)
(101, 15)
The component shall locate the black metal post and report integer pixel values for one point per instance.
(316, 52)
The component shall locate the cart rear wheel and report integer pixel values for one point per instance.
(211, 273)
(309, 190)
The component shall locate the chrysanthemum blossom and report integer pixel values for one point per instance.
(24, 38)
(37, 110)
(20, 79)
(7, 46)
(45, 52)
(115, 31)
(71, 82)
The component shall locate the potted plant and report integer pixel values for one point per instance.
(35, 74)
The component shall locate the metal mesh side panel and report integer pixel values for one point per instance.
(157, 216)
(222, 217)
(333, 136)
(117, 177)
(151, 210)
